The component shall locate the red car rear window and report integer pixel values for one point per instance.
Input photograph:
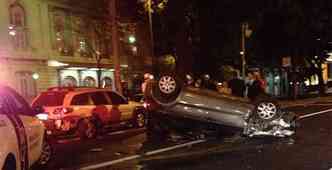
(50, 99)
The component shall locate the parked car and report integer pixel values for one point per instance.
(174, 104)
(87, 111)
(22, 134)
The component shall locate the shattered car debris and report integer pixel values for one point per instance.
(170, 98)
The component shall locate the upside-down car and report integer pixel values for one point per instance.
(173, 104)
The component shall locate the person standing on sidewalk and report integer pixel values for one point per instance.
(237, 85)
(254, 86)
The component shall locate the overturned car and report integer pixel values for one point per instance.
(176, 105)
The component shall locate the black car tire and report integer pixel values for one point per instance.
(166, 90)
(46, 154)
(86, 129)
(98, 124)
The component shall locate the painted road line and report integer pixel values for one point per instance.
(109, 163)
(315, 113)
(125, 131)
(173, 147)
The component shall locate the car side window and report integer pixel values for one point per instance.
(99, 98)
(116, 99)
(16, 104)
(81, 99)
(4, 109)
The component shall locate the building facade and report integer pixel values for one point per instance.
(45, 43)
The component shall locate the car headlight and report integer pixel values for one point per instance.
(42, 116)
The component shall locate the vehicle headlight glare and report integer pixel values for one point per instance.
(42, 116)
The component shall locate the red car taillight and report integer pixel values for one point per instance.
(62, 110)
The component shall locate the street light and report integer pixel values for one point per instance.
(132, 39)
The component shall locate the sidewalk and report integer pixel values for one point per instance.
(310, 99)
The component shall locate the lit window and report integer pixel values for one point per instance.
(107, 82)
(62, 38)
(18, 26)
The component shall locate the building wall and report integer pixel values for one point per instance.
(19, 66)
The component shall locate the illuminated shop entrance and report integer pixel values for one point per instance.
(85, 77)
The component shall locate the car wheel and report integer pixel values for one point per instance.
(167, 89)
(10, 163)
(46, 153)
(98, 124)
(140, 120)
(86, 129)
(266, 110)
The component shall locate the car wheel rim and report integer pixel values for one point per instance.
(46, 154)
(266, 110)
(90, 131)
(140, 120)
(167, 84)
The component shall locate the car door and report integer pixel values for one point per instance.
(103, 108)
(13, 129)
(122, 105)
(82, 105)
(29, 125)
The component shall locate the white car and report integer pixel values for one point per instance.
(22, 137)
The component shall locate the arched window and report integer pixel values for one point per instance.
(89, 82)
(107, 82)
(18, 25)
(69, 81)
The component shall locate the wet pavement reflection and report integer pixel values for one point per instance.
(310, 148)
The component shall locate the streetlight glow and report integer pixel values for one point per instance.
(35, 76)
(132, 39)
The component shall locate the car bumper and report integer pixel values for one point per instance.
(58, 127)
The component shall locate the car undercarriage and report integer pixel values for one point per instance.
(180, 108)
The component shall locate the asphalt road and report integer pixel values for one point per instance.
(310, 148)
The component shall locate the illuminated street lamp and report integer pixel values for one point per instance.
(132, 39)
(35, 76)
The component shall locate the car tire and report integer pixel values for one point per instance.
(167, 89)
(98, 124)
(86, 129)
(266, 110)
(140, 119)
(46, 154)
(10, 163)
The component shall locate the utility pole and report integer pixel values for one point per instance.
(115, 45)
(154, 60)
(243, 49)
(245, 33)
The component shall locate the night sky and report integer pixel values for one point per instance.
(207, 34)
